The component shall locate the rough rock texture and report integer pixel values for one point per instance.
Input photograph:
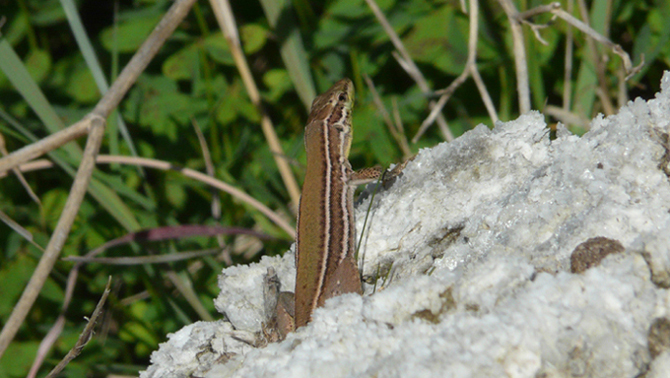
(469, 258)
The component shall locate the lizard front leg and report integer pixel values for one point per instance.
(279, 309)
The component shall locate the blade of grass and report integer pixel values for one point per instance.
(18, 75)
(184, 285)
(226, 20)
(587, 78)
(535, 79)
(292, 49)
(109, 200)
(93, 64)
(651, 51)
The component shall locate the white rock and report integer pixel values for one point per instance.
(471, 252)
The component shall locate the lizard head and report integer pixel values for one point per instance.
(335, 103)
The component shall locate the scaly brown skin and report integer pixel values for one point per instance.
(325, 244)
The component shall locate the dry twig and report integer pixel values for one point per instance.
(187, 172)
(395, 129)
(216, 199)
(58, 237)
(85, 336)
(224, 16)
(469, 70)
(555, 9)
(406, 62)
(567, 117)
(567, 76)
(94, 124)
(22, 180)
(520, 61)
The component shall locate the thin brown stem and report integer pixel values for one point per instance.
(406, 62)
(520, 61)
(567, 61)
(555, 9)
(237, 193)
(567, 117)
(407, 152)
(226, 20)
(141, 260)
(394, 129)
(45, 145)
(469, 70)
(58, 237)
(22, 180)
(85, 336)
(216, 199)
(187, 172)
(94, 124)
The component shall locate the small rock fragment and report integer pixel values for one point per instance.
(591, 252)
(657, 255)
(658, 338)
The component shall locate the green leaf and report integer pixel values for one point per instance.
(236, 103)
(111, 202)
(16, 30)
(9, 62)
(82, 87)
(115, 123)
(278, 82)
(440, 39)
(124, 189)
(182, 64)
(652, 40)
(48, 13)
(333, 68)
(130, 34)
(161, 107)
(133, 331)
(370, 134)
(585, 88)
(22, 356)
(351, 9)
(218, 50)
(587, 80)
(53, 203)
(175, 194)
(331, 32)
(52, 291)
(14, 276)
(253, 37)
(291, 47)
(38, 64)
(28, 88)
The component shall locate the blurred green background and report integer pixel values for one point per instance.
(194, 81)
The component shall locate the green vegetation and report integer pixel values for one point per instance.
(49, 81)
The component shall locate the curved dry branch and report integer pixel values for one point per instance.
(406, 62)
(520, 61)
(187, 172)
(224, 16)
(85, 336)
(58, 237)
(556, 10)
(469, 70)
(244, 197)
(396, 128)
